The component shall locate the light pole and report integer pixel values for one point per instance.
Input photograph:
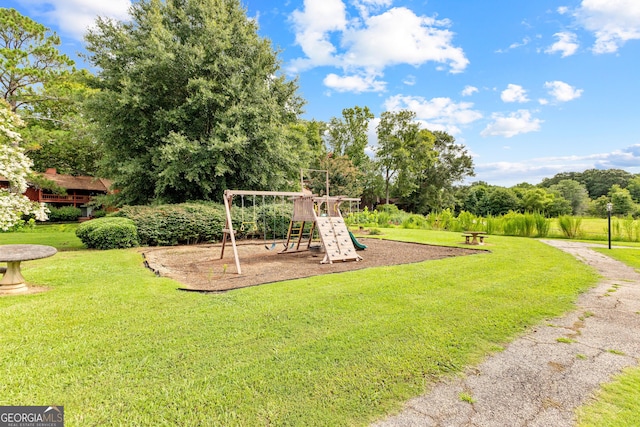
(609, 209)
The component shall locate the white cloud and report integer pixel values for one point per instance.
(469, 90)
(543, 101)
(437, 113)
(512, 125)
(410, 80)
(74, 17)
(354, 83)
(628, 157)
(399, 36)
(562, 10)
(534, 170)
(367, 44)
(562, 91)
(514, 93)
(525, 41)
(567, 44)
(313, 28)
(365, 7)
(613, 22)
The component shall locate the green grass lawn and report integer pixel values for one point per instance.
(118, 346)
(597, 229)
(617, 404)
(61, 236)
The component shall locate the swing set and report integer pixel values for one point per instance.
(310, 214)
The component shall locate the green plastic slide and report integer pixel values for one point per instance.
(359, 246)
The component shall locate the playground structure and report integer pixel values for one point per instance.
(310, 213)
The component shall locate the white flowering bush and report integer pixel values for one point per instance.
(15, 166)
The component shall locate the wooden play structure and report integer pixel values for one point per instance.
(310, 214)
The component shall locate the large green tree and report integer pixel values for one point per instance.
(191, 102)
(575, 193)
(451, 163)
(634, 188)
(58, 131)
(401, 148)
(621, 200)
(29, 57)
(347, 136)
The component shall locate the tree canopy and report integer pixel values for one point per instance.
(435, 188)
(348, 136)
(191, 102)
(28, 57)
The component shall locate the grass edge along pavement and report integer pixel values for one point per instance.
(116, 345)
(616, 403)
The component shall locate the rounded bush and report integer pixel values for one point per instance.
(108, 233)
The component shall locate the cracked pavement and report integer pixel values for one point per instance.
(543, 376)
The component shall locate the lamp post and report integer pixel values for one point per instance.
(609, 209)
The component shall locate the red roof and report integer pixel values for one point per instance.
(69, 182)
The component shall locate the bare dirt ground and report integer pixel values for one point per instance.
(199, 267)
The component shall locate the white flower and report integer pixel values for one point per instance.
(15, 166)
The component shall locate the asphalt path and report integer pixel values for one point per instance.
(541, 378)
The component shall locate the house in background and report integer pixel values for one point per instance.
(80, 190)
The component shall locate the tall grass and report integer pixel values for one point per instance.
(468, 221)
(628, 226)
(543, 224)
(570, 226)
(493, 225)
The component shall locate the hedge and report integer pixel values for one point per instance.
(186, 223)
(64, 213)
(108, 233)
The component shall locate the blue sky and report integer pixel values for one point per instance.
(531, 88)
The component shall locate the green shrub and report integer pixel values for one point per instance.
(186, 223)
(64, 213)
(99, 214)
(415, 222)
(391, 214)
(364, 218)
(273, 220)
(108, 233)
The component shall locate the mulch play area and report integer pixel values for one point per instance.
(199, 267)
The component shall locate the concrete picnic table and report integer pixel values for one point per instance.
(473, 235)
(12, 282)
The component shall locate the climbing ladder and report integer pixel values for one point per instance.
(297, 235)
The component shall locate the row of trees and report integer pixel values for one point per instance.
(554, 196)
(188, 100)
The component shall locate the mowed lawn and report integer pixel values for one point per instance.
(117, 345)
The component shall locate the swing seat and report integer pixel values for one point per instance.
(273, 246)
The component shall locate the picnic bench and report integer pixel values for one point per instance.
(12, 282)
(474, 237)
